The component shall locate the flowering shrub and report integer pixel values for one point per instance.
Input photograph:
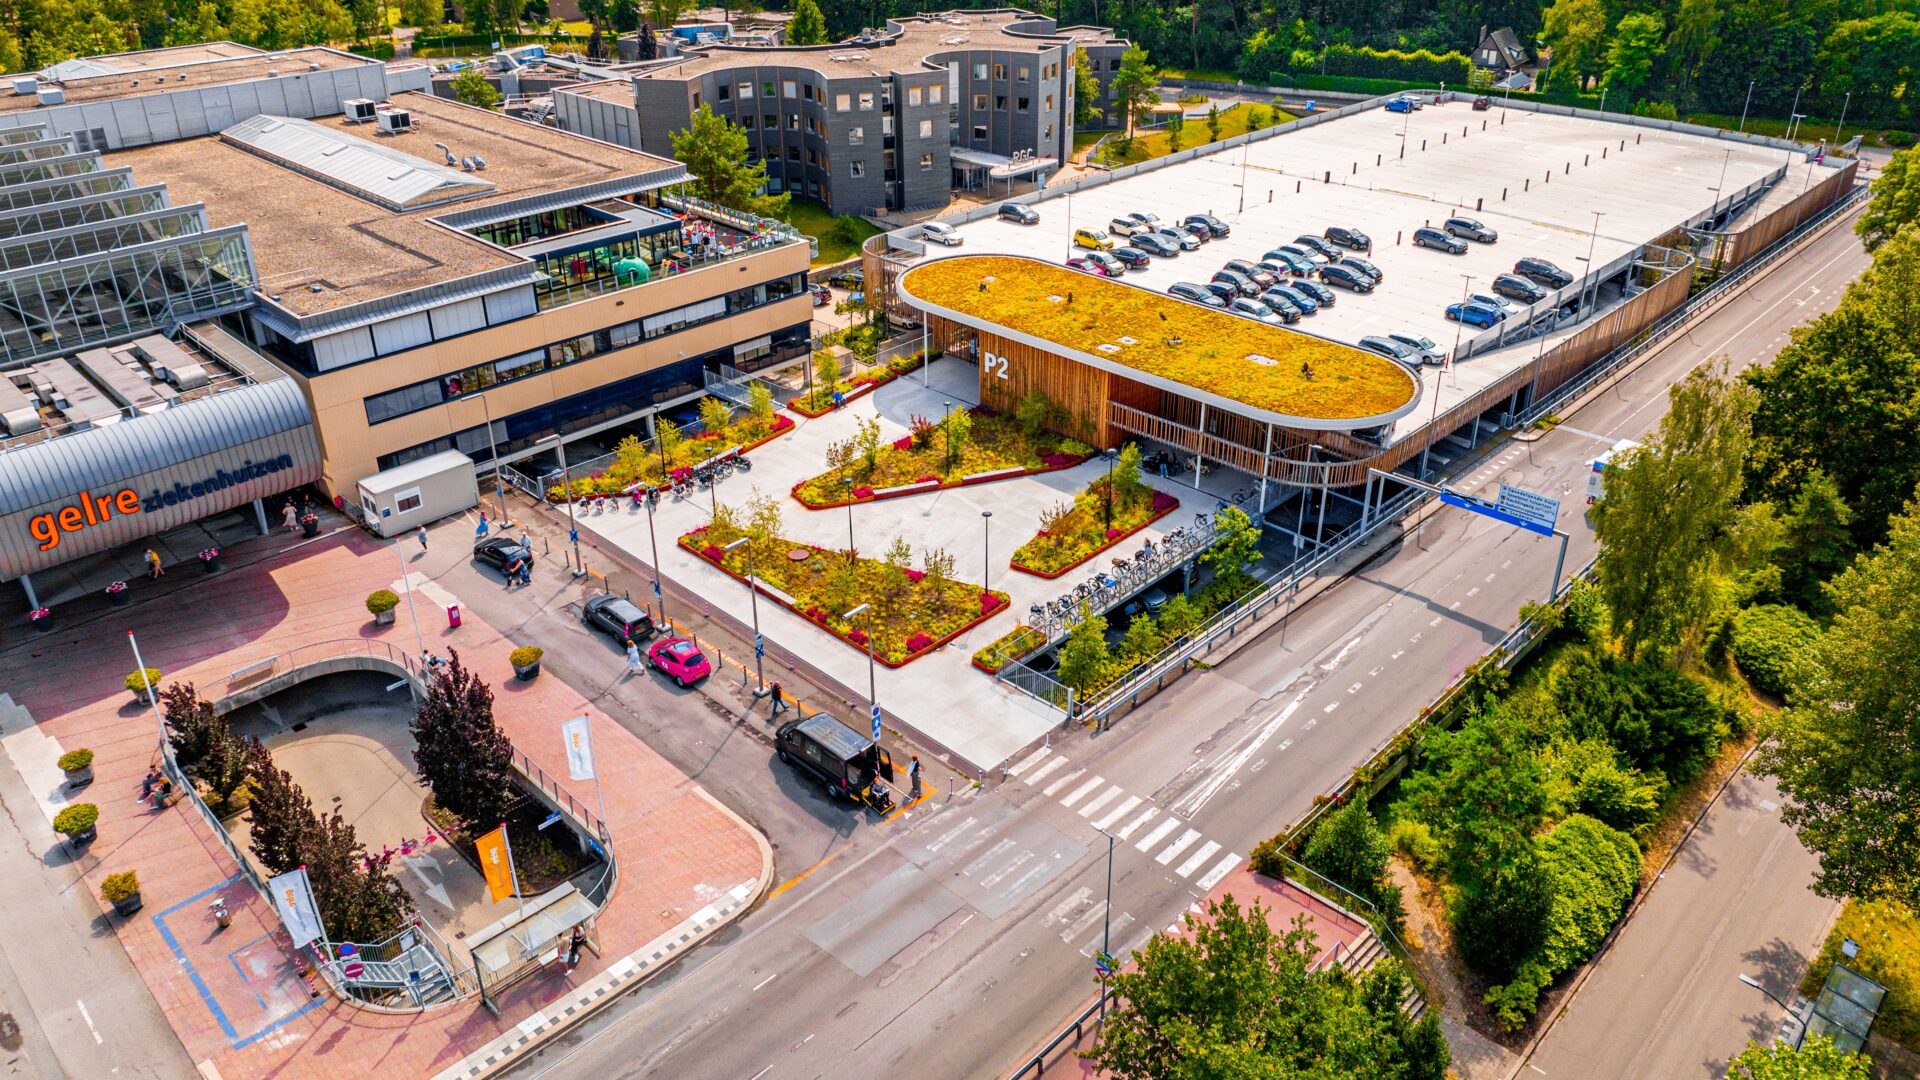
(1070, 535)
(858, 637)
(863, 493)
(1007, 648)
(1162, 502)
(209, 554)
(640, 464)
(1113, 534)
(903, 443)
(990, 602)
(916, 576)
(928, 479)
(919, 643)
(995, 443)
(117, 587)
(39, 613)
(712, 552)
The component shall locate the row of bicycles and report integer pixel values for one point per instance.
(1126, 575)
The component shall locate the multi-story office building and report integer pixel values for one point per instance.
(891, 120)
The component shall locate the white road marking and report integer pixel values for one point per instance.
(1081, 924)
(1134, 825)
(1045, 769)
(1220, 870)
(1064, 781)
(1331, 705)
(1490, 577)
(1355, 688)
(1094, 804)
(1198, 859)
(1398, 653)
(1158, 833)
(1191, 803)
(766, 980)
(1030, 761)
(1082, 791)
(1171, 850)
(1475, 591)
(88, 1017)
(1117, 813)
(1078, 897)
(1506, 564)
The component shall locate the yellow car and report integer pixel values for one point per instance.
(1092, 239)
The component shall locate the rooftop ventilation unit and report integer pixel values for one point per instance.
(442, 147)
(28, 85)
(358, 110)
(466, 164)
(394, 121)
(52, 95)
(273, 73)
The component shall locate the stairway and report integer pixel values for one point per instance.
(1368, 951)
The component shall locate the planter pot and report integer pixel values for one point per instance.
(81, 777)
(45, 625)
(121, 598)
(384, 618)
(126, 907)
(210, 565)
(84, 837)
(310, 528)
(527, 672)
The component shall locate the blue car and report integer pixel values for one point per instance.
(1298, 297)
(1399, 105)
(1474, 314)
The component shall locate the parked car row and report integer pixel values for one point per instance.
(1146, 239)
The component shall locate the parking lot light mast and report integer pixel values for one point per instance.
(1459, 325)
(753, 600)
(566, 478)
(1112, 455)
(1593, 238)
(1749, 103)
(1106, 933)
(659, 597)
(1843, 119)
(986, 552)
(873, 689)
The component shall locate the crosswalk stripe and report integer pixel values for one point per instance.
(1082, 791)
(1064, 780)
(1030, 761)
(1094, 804)
(1159, 831)
(1045, 769)
(1134, 825)
(1199, 857)
(1186, 841)
(1117, 813)
(1220, 870)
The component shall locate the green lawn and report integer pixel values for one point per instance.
(1197, 75)
(815, 220)
(1811, 129)
(1889, 937)
(1157, 143)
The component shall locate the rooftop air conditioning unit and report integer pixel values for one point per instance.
(26, 85)
(358, 110)
(52, 95)
(394, 121)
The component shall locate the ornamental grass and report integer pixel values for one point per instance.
(1294, 374)
(1073, 532)
(638, 463)
(992, 442)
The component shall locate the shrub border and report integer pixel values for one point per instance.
(745, 448)
(1070, 567)
(904, 490)
(975, 658)
(774, 593)
(865, 385)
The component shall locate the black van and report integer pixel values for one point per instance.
(847, 762)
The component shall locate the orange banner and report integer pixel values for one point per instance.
(497, 862)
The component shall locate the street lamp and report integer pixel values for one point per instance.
(946, 437)
(753, 599)
(658, 596)
(493, 449)
(566, 478)
(1755, 983)
(1843, 118)
(1459, 326)
(873, 692)
(1592, 239)
(1728, 160)
(847, 481)
(1106, 932)
(1743, 109)
(1106, 503)
(986, 552)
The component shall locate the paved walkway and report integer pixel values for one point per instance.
(242, 1004)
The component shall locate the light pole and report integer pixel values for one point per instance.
(1106, 503)
(1793, 124)
(946, 438)
(1459, 326)
(873, 691)
(1603, 101)
(1106, 932)
(1749, 103)
(1323, 59)
(847, 481)
(566, 478)
(1843, 118)
(407, 584)
(1722, 189)
(1592, 239)
(986, 552)
(1793, 112)
(493, 449)
(658, 596)
(1755, 983)
(753, 600)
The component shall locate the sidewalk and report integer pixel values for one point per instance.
(242, 1004)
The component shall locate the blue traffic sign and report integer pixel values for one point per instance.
(876, 723)
(1104, 963)
(759, 646)
(573, 536)
(1487, 509)
(656, 588)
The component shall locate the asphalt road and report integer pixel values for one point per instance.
(954, 937)
(1667, 999)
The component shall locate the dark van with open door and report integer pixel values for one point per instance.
(847, 762)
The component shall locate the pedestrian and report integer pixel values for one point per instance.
(482, 528)
(575, 942)
(154, 569)
(146, 786)
(162, 792)
(421, 535)
(778, 702)
(633, 658)
(913, 773)
(526, 570)
(513, 572)
(292, 516)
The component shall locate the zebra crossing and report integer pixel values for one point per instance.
(1111, 809)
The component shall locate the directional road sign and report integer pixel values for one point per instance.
(1530, 506)
(573, 536)
(1103, 963)
(1486, 509)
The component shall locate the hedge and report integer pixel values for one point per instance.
(1769, 641)
(379, 50)
(1421, 65)
(1594, 869)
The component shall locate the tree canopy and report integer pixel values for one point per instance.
(809, 26)
(1895, 202)
(723, 172)
(463, 757)
(1817, 1060)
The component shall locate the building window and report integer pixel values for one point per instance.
(723, 92)
(788, 89)
(913, 95)
(842, 102)
(793, 121)
(1049, 102)
(766, 88)
(1113, 64)
(1022, 104)
(999, 72)
(979, 103)
(770, 122)
(980, 72)
(806, 91)
(746, 89)
(934, 94)
(886, 125)
(926, 162)
(866, 102)
(696, 101)
(1022, 72)
(793, 153)
(859, 169)
(999, 103)
(1048, 137)
(979, 133)
(856, 136)
(746, 121)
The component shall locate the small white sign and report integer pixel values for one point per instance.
(1529, 505)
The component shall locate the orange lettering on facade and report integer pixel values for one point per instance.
(51, 527)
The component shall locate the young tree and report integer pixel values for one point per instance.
(1895, 201)
(1817, 1059)
(1348, 848)
(1086, 90)
(714, 151)
(463, 757)
(808, 27)
(937, 564)
(955, 431)
(1665, 524)
(667, 438)
(1638, 41)
(1213, 122)
(1236, 546)
(1577, 30)
(1176, 131)
(866, 443)
(1133, 91)
(1143, 639)
(1257, 118)
(1084, 660)
(714, 414)
(1845, 753)
(1236, 999)
(1126, 472)
(358, 900)
(424, 15)
(1816, 543)
(471, 87)
(624, 15)
(826, 371)
(224, 766)
(760, 404)
(192, 725)
(280, 820)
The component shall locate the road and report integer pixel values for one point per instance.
(1666, 999)
(949, 938)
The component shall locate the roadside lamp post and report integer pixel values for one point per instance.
(659, 597)
(946, 437)
(566, 478)
(493, 449)
(986, 553)
(1749, 103)
(848, 483)
(1755, 983)
(1459, 325)
(1593, 238)
(1793, 111)
(1106, 932)
(1843, 118)
(873, 692)
(753, 600)
(1106, 503)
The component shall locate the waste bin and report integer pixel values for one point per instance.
(453, 616)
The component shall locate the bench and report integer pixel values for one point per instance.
(253, 672)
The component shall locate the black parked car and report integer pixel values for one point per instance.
(1470, 229)
(1213, 225)
(1544, 272)
(846, 762)
(1223, 291)
(617, 617)
(1439, 240)
(1199, 294)
(1241, 283)
(1515, 287)
(501, 552)
(1319, 292)
(1153, 244)
(1319, 244)
(1019, 213)
(1346, 277)
(1349, 237)
(1355, 262)
(851, 278)
(1391, 349)
(1132, 258)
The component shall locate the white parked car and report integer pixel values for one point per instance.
(941, 233)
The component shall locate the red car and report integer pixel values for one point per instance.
(680, 660)
(1089, 266)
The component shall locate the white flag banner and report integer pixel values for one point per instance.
(293, 899)
(579, 739)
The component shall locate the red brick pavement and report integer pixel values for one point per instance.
(238, 998)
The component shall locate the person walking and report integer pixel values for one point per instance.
(773, 695)
(291, 516)
(154, 569)
(420, 534)
(513, 572)
(482, 528)
(575, 942)
(633, 658)
(913, 773)
(526, 570)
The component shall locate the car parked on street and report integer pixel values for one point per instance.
(1132, 257)
(940, 232)
(1439, 240)
(1346, 277)
(680, 660)
(1249, 307)
(1515, 287)
(1214, 226)
(1019, 213)
(1470, 229)
(1092, 240)
(617, 617)
(1544, 272)
(1347, 236)
(1199, 294)
(1422, 346)
(1475, 314)
(501, 552)
(1153, 244)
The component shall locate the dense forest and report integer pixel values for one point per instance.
(1693, 55)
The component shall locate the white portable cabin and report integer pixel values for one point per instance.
(418, 493)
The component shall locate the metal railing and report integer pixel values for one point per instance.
(1070, 1035)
